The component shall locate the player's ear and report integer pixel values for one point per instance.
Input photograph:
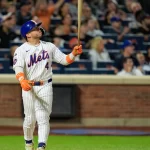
(28, 35)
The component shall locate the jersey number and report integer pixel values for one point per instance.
(47, 66)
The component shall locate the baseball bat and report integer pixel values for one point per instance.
(80, 2)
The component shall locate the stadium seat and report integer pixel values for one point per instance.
(103, 71)
(139, 38)
(110, 36)
(57, 68)
(12, 43)
(144, 52)
(11, 71)
(101, 23)
(74, 21)
(113, 53)
(108, 29)
(76, 71)
(125, 22)
(4, 53)
(105, 64)
(111, 45)
(146, 45)
(55, 21)
(57, 71)
(66, 45)
(66, 37)
(147, 72)
(4, 65)
(66, 51)
(82, 64)
(72, 35)
(119, 45)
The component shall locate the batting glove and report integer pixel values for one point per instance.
(25, 84)
(77, 50)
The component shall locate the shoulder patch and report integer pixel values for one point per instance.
(14, 61)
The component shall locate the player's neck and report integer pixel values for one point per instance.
(34, 42)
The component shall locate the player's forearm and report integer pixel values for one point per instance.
(68, 59)
(18, 70)
(20, 76)
(77, 50)
(19, 73)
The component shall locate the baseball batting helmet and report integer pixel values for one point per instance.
(28, 26)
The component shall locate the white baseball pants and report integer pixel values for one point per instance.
(37, 107)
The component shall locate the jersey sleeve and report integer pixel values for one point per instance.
(18, 59)
(58, 56)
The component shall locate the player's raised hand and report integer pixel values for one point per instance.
(77, 50)
(25, 84)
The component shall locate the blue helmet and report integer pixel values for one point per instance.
(28, 26)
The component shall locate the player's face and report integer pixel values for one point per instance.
(35, 33)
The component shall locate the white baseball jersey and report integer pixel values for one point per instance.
(36, 63)
(36, 60)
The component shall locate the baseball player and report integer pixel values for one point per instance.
(32, 64)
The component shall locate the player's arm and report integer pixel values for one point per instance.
(63, 59)
(25, 84)
(18, 65)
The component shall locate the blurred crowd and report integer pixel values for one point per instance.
(99, 18)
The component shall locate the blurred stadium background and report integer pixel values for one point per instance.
(104, 92)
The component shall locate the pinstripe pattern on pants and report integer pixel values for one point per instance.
(37, 107)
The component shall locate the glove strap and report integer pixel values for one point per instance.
(70, 58)
(20, 76)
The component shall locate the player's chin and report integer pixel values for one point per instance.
(39, 35)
